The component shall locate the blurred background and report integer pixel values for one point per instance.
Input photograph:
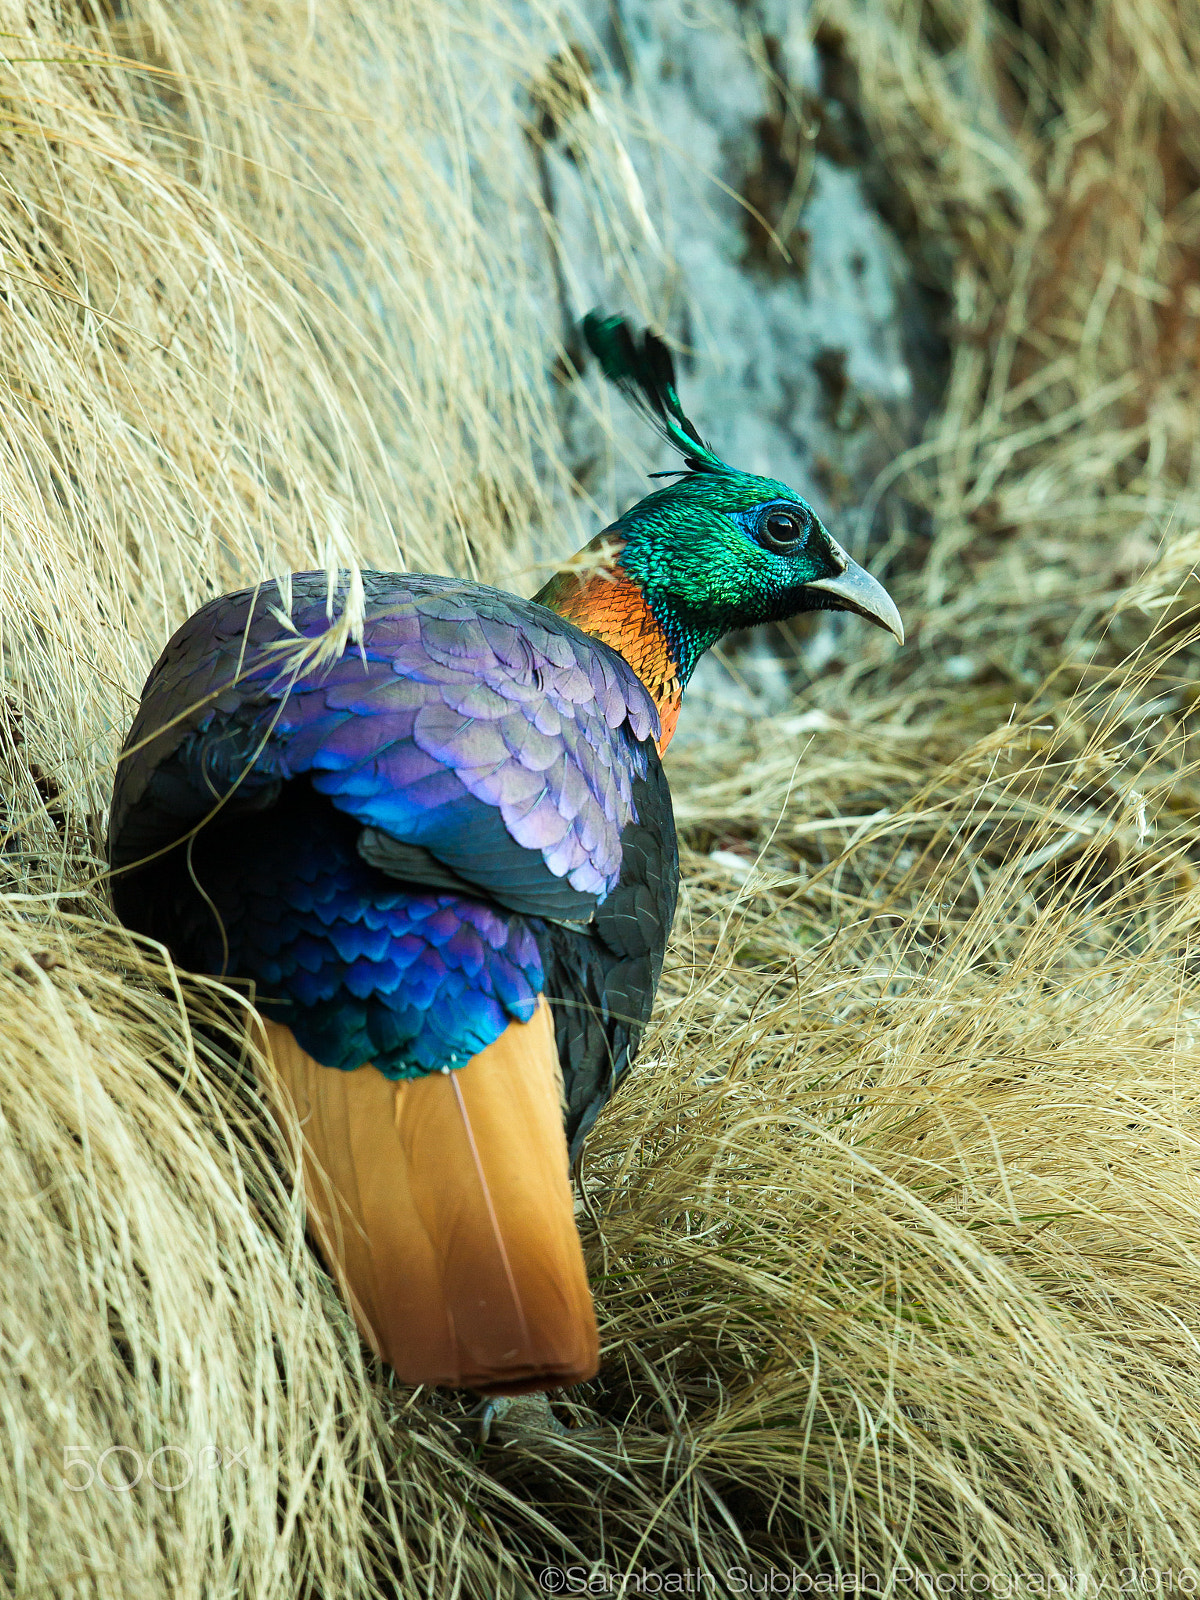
(894, 1232)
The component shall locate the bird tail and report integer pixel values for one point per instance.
(443, 1207)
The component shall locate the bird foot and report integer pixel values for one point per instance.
(504, 1418)
(528, 1422)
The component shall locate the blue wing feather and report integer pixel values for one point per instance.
(479, 728)
(460, 699)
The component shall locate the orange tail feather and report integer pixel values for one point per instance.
(443, 1207)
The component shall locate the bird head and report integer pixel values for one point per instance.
(720, 549)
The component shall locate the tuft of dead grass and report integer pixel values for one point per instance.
(894, 1232)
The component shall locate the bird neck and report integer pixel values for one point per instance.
(602, 599)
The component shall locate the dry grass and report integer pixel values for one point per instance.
(895, 1235)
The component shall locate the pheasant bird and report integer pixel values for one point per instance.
(445, 857)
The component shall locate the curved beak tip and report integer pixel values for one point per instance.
(856, 590)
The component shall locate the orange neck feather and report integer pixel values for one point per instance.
(610, 606)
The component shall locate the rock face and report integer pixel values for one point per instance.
(758, 241)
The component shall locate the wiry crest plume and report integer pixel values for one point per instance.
(644, 371)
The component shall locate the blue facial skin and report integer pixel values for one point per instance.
(754, 523)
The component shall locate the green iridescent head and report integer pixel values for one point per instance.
(721, 549)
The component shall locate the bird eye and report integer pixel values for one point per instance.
(782, 531)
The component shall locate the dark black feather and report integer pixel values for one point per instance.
(601, 983)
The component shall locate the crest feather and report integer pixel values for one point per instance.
(644, 371)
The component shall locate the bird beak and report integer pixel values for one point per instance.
(854, 589)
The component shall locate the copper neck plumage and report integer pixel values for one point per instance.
(604, 601)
